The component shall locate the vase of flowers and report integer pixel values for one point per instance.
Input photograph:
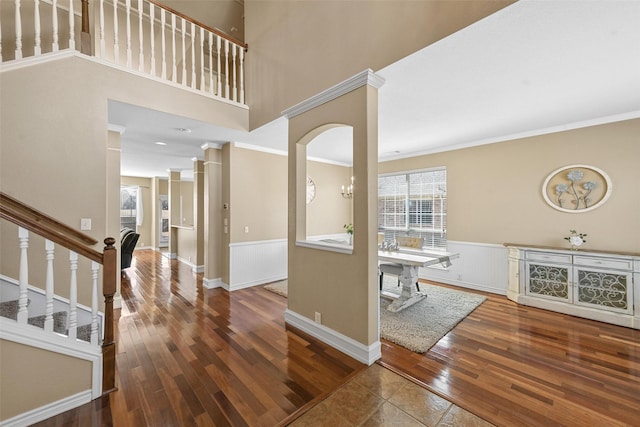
(349, 229)
(576, 239)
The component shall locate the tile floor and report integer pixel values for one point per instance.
(379, 397)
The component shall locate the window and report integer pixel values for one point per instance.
(414, 204)
(128, 205)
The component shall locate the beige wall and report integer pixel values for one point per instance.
(300, 48)
(57, 376)
(495, 191)
(329, 211)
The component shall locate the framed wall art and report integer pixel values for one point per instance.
(576, 188)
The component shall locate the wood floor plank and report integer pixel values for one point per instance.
(516, 365)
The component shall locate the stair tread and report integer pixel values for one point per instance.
(59, 321)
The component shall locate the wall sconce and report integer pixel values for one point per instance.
(347, 192)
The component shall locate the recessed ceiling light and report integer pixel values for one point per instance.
(184, 130)
(160, 143)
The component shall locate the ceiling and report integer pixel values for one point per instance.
(535, 67)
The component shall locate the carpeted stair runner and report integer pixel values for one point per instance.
(9, 309)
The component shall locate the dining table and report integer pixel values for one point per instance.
(411, 261)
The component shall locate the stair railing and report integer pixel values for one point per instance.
(54, 232)
(140, 35)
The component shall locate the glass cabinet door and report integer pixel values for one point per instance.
(605, 289)
(549, 281)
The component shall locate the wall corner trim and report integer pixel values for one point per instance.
(212, 283)
(361, 352)
(366, 77)
(214, 145)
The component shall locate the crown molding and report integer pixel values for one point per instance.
(214, 145)
(366, 77)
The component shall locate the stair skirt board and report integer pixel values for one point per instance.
(48, 411)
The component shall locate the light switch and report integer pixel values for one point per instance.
(85, 224)
(246, 228)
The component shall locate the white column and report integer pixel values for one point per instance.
(23, 277)
(37, 50)
(152, 39)
(18, 31)
(48, 311)
(72, 26)
(102, 42)
(116, 48)
(226, 69)
(141, 37)
(54, 13)
(94, 302)
(128, 15)
(184, 53)
(73, 295)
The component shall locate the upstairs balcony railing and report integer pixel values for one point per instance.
(140, 35)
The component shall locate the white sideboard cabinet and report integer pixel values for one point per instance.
(598, 285)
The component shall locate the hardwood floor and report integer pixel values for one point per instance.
(520, 366)
(188, 356)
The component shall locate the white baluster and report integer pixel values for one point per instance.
(37, 50)
(73, 295)
(128, 15)
(184, 53)
(18, 31)
(211, 62)
(202, 85)
(141, 41)
(116, 48)
(219, 76)
(226, 69)
(0, 44)
(164, 45)
(94, 302)
(173, 46)
(102, 42)
(72, 26)
(235, 77)
(241, 66)
(152, 39)
(54, 17)
(48, 311)
(193, 55)
(23, 278)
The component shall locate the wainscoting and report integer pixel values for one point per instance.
(481, 266)
(256, 263)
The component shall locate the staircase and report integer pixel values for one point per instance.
(69, 339)
(9, 292)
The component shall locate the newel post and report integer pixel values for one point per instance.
(109, 275)
(85, 35)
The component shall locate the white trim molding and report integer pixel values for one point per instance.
(366, 77)
(362, 353)
(214, 283)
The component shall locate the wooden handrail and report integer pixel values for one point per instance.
(33, 220)
(200, 24)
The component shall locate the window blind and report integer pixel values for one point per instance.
(414, 204)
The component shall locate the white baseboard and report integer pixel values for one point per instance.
(195, 268)
(214, 283)
(361, 352)
(47, 411)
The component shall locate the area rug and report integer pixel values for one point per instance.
(423, 324)
(279, 288)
